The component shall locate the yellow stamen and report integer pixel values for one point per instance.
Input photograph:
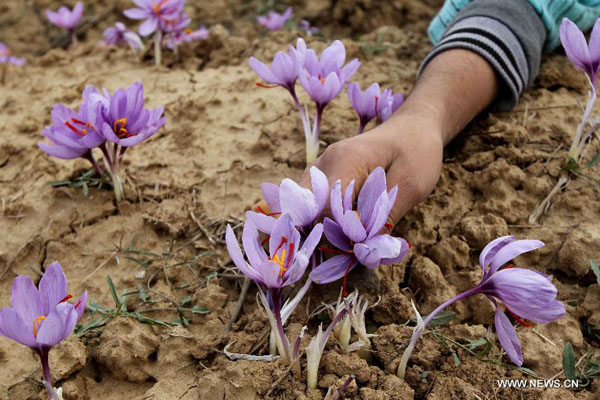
(280, 262)
(188, 31)
(36, 323)
(356, 212)
(121, 121)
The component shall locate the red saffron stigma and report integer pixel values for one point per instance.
(74, 129)
(283, 241)
(410, 245)
(290, 256)
(389, 226)
(344, 290)
(262, 85)
(265, 240)
(65, 299)
(510, 266)
(327, 250)
(260, 210)
(519, 320)
(78, 304)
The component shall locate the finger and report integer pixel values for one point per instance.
(407, 197)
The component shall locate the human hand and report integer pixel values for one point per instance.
(409, 147)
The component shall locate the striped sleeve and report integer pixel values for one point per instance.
(509, 34)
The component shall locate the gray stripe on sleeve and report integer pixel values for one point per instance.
(508, 34)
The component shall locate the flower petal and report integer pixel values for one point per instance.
(233, 248)
(333, 269)
(254, 251)
(492, 248)
(352, 227)
(263, 223)
(14, 328)
(373, 250)
(508, 338)
(26, 300)
(335, 234)
(335, 202)
(370, 192)
(513, 250)
(58, 325)
(148, 26)
(53, 287)
(575, 45)
(320, 188)
(270, 192)
(298, 202)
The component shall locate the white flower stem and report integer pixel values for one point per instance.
(157, 47)
(314, 351)
(420, 328)
(574, 151)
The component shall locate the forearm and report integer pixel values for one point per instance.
(453, 88)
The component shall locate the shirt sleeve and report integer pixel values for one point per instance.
(509, 34)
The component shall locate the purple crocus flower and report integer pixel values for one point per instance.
(41, 318)
(125, 120)
(284, 266)
(154, 12)
(585, 56)
(177, 31)
(6, 58)
(387, 104)
(306, 27)
(287, 259)
(357, 233)
(284, 69)
(275, 21)
(65, 18)
(324, 78)
(373, 103)
(364, 103)
(302, 205)
(523, 293)
(73, 133)
(119, 34)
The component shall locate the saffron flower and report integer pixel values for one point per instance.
(111, 123)
(73, 133)
(387, 104)
(125, 123)
(275, 21)
(307, 28)
(156, 13)
(176, 31)
(285, 265)
(6, 58)
(585, 56)
(284, 69)
(119, 34)
(67, 19)
(373, 103)
(42, 318)
(356, 234)
(324, 79)
(303, 205)
(524, 294)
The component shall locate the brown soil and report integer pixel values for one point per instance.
(223, 137)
